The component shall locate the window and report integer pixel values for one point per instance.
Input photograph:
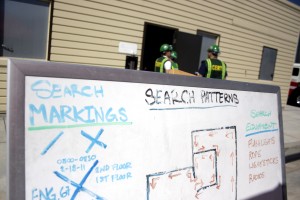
(267, 65)
(297, 57)
(295, 71)
(24, 28)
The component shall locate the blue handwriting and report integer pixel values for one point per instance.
(44, 89)
(50, 193)
(65, 113)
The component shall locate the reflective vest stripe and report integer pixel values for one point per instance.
(223, 70)
(161, 70)
(159, 64)
(174, 65)
(208, 68)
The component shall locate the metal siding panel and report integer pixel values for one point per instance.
(97, 27)
(104, 18)
(2, 108)
(105, 53)
(3, 77)
(84, 46)
(248, 10)
(86, 60)
(2, 84)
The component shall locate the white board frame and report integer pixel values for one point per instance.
(19, 69)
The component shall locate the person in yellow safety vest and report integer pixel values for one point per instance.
(174, 58)
(212, 67)
(163, 63)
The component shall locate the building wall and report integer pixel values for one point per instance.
(89, 32)
(3, 157)
(3, 72)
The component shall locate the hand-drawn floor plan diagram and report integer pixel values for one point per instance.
(213, 174)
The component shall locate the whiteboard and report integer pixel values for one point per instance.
(139, 135)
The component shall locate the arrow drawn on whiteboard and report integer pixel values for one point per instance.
(211, 134)
(190, 176)
(197, 195)
(171, 175)
(51, 143)
(202, 148)
(153, 183)
(199, 183)
(219, 184)
(232, 182)
(228, 135)
(232, 157)
(212, 179)
(195, 140)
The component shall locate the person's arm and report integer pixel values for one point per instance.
(226, 74)
(198, 74)
(203, 69)
(167, 65)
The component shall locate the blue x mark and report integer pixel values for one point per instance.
(94, 140)
(79, 187)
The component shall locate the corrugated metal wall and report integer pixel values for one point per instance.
(89, 31)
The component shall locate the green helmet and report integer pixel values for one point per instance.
(174, 54)
(214, 49)
(166, 47)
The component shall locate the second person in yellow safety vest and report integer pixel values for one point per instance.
(174, 58)
(212, 67)
(163, 63)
